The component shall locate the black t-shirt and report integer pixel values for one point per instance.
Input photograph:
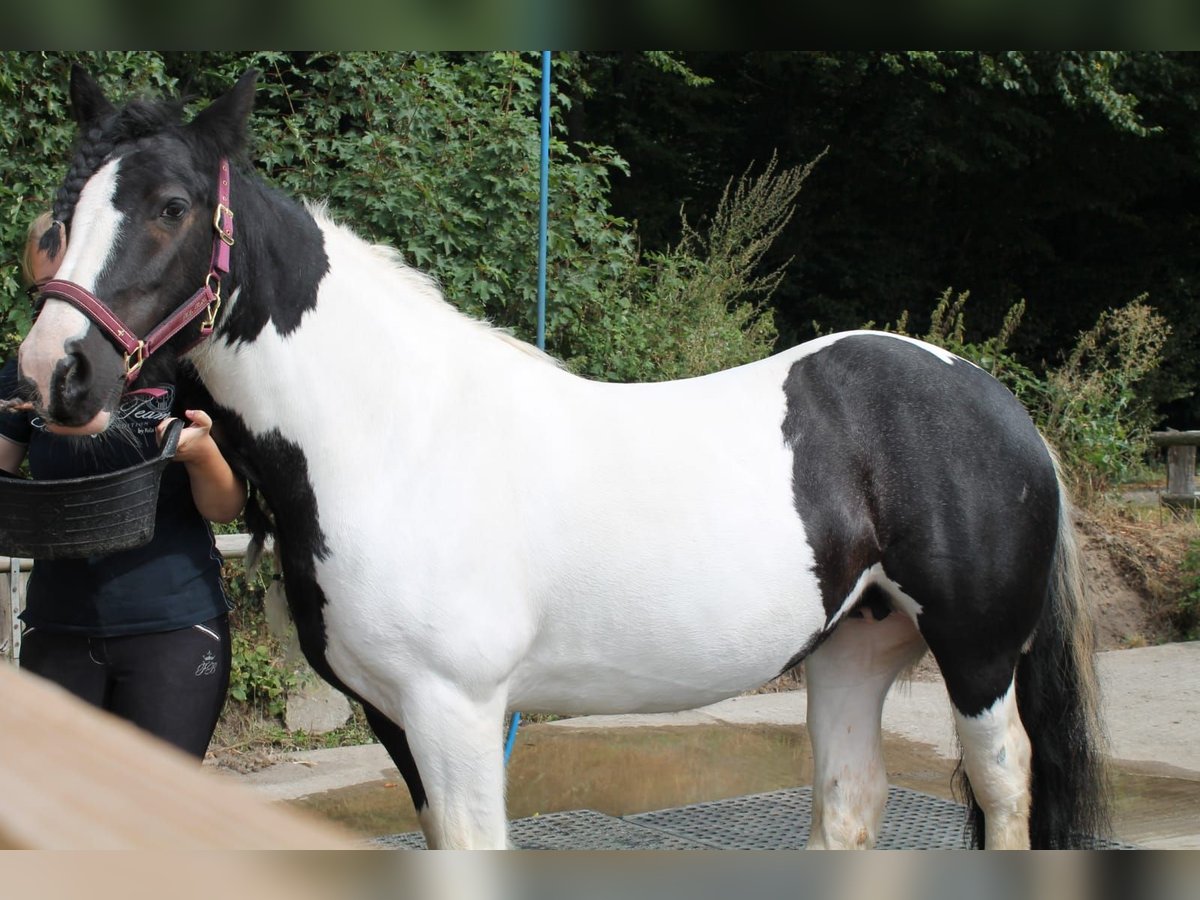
(171, 582)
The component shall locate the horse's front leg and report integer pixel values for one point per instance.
(457, 743)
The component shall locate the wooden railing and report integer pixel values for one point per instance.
(14, 573)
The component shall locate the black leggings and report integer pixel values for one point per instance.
(172, 684)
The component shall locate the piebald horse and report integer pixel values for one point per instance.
(466, 528)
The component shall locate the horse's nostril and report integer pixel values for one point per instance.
(72, 378)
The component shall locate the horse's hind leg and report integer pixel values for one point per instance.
(847, 678)
(997, 757)
(979, 669)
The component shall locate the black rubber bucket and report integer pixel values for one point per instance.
(72, 518)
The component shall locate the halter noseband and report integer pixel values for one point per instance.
(208, 298)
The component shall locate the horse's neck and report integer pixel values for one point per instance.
(323, 323)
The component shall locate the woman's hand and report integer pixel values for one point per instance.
(195, 440)
(218, 492)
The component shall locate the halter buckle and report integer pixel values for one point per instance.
(134, 360)
(225, 236)
(212, 281)
(210, 314)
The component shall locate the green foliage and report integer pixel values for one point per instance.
(671, 63)
(269, 733)
(1065, 177)
(1186, 615)
(700, 305)
(439, 156)
(258, 675)
(1096, 413)
(1081, 79)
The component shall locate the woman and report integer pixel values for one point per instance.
(142, 633)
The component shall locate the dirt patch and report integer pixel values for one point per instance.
(1120, 609)
(1133, 564)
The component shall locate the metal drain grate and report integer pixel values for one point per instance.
(580, 829)
(591, 830)
(778, 820)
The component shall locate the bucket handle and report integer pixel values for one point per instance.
(171, 439)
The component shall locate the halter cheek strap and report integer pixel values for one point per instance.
(208, 298)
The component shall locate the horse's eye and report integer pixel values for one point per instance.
(175, 209)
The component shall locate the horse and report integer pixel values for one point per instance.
(466, 528)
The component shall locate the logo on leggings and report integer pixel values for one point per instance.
(208, 665)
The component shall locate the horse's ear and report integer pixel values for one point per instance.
(88, 102)
(223, 121)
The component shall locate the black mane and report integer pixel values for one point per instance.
(138, 118)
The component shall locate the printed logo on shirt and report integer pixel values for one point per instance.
(146, 405)
(208, 665)
(142, 409)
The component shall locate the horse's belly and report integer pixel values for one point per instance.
(646, 635)
(679, 571)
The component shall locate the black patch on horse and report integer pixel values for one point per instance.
(278, 469)
(936, 471)
(278, 264)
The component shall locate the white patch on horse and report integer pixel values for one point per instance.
(95, 227)
(996, 756)
(875, 575)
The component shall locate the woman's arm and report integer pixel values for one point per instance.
(218, 492)
(11, 454)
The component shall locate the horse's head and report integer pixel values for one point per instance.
(139, 205)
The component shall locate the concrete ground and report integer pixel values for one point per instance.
(1151, 701)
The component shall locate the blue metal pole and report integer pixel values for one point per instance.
(545, 202)
(543, 219)
(513, 724)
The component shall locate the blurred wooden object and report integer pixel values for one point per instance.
(76, 778)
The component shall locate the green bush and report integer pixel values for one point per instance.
(258, 675)
(1094, 413)
(1186, 616)
(436, 154)
(700, 306)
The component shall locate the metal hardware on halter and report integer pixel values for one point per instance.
(212, 281)
(226, 236)
(131, 370)
(210, 313)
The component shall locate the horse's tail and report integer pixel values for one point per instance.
(1058, 700)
